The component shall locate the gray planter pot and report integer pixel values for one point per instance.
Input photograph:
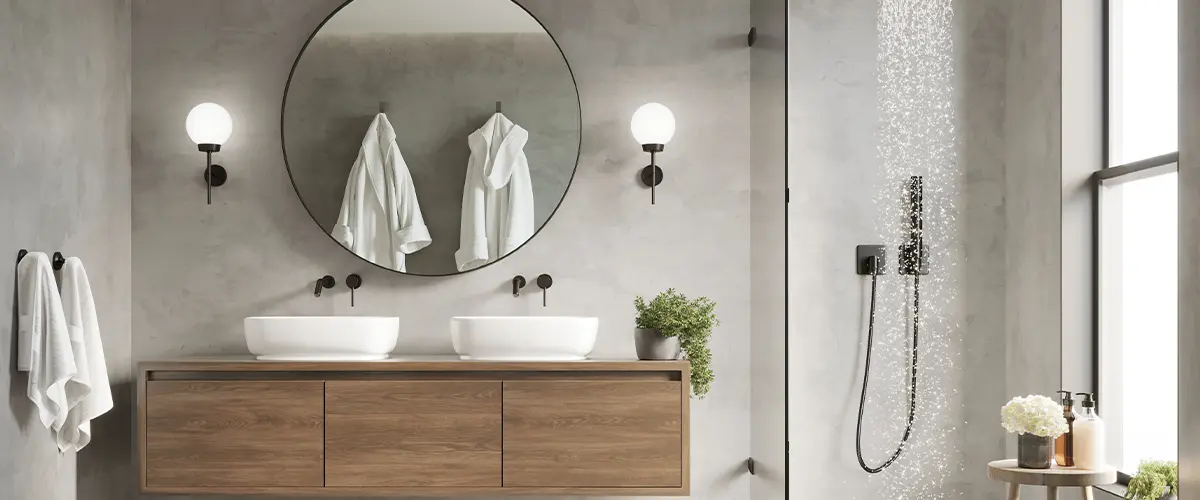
(652, 346)
(1034, 452)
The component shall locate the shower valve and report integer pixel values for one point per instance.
(870, 260)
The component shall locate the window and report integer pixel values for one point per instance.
(1138, 231)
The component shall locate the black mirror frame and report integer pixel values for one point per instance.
(287, 164)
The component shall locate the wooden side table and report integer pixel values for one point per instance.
(1053, 478)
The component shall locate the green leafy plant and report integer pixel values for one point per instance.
(674, 315)
(1154, 480)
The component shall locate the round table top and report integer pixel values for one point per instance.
(1007, 471)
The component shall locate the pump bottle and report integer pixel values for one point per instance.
(1064, 445)
(1089, 435)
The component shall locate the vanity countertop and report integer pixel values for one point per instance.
(407, 364)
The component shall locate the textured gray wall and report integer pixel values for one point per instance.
(1083, 154)
(64, 185)
(1033, 189)
(833, 171)
(255, 251)
(441, 88)
(768, 77)
(1006, 91)
(1189, 251)
(1033, 174)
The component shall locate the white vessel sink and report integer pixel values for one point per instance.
(518, 338)
(321, 338)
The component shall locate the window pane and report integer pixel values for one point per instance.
(1144, 55)
(1139, 320)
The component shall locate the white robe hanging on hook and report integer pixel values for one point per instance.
(497, 208)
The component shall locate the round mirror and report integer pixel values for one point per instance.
(431, 137)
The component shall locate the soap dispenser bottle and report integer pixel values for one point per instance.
(1064, 445)
(1089, 435)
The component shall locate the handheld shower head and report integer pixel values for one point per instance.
(914, 253)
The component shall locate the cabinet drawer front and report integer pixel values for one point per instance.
(593, 434)
(234, 434)
(412, 434)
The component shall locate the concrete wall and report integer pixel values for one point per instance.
(64, 186)
(255, 251)
(441, 88)
(1033, 175)
(768, 230)
(992, 324)
(833, 172)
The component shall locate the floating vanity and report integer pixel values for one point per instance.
(419, 427)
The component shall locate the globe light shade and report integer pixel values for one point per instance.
(653, 123)
(209, 123)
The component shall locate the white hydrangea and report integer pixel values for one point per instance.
(1037, 415)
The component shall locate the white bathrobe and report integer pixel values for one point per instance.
(380, 218)
(497, 208)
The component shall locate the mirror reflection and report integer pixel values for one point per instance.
(431, 137)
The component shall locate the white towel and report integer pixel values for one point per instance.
(44, 338)
(80, 311)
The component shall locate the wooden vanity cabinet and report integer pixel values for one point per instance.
(234, 434)
(593, 434)
(412, 434)
(414, 428)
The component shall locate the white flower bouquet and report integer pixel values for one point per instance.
(1036, 415)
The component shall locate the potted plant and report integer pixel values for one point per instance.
(1037, 421)
(671, 323)
(1155, 479)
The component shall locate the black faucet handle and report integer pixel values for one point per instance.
(544, 282)
(518, 283)
(353, 282)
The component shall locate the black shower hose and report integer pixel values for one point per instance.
(912, 388)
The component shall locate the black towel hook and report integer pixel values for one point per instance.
(57, 261)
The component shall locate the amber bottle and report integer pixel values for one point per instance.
(1064, 445)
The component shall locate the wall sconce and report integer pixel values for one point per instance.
(653, 126)
(209, 125)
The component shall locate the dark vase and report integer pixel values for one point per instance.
(1033, 451)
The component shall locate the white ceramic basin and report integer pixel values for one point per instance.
(321, 338)
(518, 338)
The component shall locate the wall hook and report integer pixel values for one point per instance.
(57, 261)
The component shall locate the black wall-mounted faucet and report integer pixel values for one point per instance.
(353, 282)
(544, 282)
(518, 282)
(324, 283)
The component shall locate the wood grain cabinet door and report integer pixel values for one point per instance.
(593, 434)
(412, 434)
(247, 434)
